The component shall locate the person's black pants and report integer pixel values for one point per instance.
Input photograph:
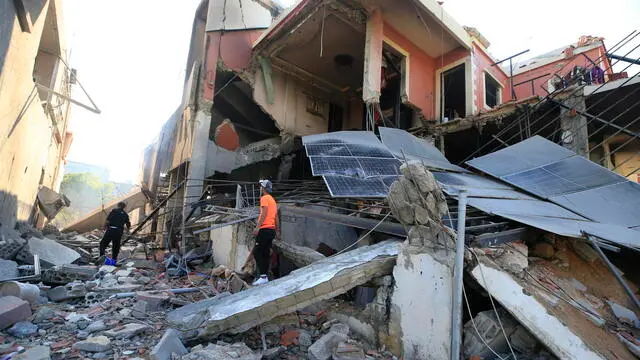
(112, 236)
(262, 250)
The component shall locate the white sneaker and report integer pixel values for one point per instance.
(263, 279)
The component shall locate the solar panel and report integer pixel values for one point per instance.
(327, 150)
(477, 186)
(378, 167)
(344, 186)
(332, 165)
(555, 173)
(374, 151)
(533, 152)
(406, 146)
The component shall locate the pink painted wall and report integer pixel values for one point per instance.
(235, 48)
(482, 63)
(562, 67)
(452, 56)
(422, 67)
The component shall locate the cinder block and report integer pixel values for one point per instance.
(13, 310)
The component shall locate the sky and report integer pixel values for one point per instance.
(131, 57)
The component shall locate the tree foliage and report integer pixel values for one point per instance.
(86, 192)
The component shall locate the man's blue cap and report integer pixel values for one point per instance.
(266, 184)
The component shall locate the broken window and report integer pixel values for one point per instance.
(453, 93)
(492, 91)
(395, 112)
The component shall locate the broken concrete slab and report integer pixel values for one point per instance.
(168, 345)
(129, 330)
(299, 255)
(154, 301)
(13, 310)
(66, 292)
(322, 280)
(64, 274)
(94, 344)
(348, 351)
(23, 329)
(39, 352)
(529, 312)
(237, 351)
(323, 348)
(8, 269)
(49, 251)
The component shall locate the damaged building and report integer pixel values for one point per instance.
(428, 209)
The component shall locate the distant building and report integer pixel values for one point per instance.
(73, 167)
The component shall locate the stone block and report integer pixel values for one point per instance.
(96, 326)
(39, 352)
(273, 353)
(128, 331)
(23, 329)
(8, 269)
(347, 351)
(49, 251)
(584, 251)
(13, 310)
(237, 351)
(64, 274)
(155, 301)
(169, 344)
(66, 292)
(94, 344)
(323, 348)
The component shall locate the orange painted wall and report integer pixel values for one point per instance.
(452, 56)
(481, 63)
(562, 67)
(421, 92)
(235, 48)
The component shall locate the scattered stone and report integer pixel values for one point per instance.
(340, 328)
(35, 353)
(169, 344)
(523, 341)
(42, 332)
(128, 331)
(305, 339)
(578, 285)
(44, 313)
(13, 310)
(155, 301)
(223, 351)
(67, 292)
(347, 351)
(82, 335)
(23, 329)
(96, 326)
(323, 348)
(273, 353)
(94, 344)
(8, 269)
(49, 251)
(623, 314)
(544, 250)
(123, 273)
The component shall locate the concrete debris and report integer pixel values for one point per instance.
(584, 250)
(24, 291)
(23, 329)
(94, 344)
(348, 351)
(50, 252)
(153, 301)
(323, 348)
(8, 269)
(624, 315)
(168, 345)
(321, 280)
(489, 330)
(10, 246)
(67, 292)
(64, 274)
(43, 314)
(96, 326)
(273, 353)
(300, 255)
(39, 352)
(13, 310)
(630, 342)
(543, 250)
(128, 331)
(237, 351)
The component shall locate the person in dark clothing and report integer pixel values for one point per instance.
(114, 227)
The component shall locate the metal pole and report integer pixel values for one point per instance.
(615, 272)
(456, 311)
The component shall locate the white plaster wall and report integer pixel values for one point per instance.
(222, 245)
(289, 108)
(532, 314)
(421, 306)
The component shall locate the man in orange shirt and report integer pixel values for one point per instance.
(265, 231)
